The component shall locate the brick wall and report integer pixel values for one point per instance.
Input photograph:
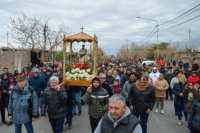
(7, 59)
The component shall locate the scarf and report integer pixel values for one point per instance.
(141, 88)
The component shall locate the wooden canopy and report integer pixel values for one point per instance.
(80, 37)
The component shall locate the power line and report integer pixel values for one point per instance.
(9, 10)
(148, 35)
(180, 23)
(180, 15)
(186, 15)
(150, 38)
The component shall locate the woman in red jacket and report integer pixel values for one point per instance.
(194, 78)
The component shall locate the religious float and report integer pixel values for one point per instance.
(80, 73)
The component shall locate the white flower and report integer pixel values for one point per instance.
(67, 73)
(85, 74)
(73, 71)
(77, 69)
(88, 70)
(83, 70)
(80, 71)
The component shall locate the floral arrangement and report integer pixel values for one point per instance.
(80, 72)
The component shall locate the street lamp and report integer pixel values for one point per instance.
(157, 33)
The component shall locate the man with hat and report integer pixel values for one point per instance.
(39, 84)
(23, 105)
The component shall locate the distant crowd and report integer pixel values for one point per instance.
(119, 99)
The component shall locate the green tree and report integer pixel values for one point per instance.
(59, 56)
(163, 46)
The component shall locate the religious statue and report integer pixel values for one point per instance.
(82, 54)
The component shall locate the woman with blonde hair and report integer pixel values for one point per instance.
(177, 90)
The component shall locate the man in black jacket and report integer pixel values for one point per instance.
(126, 77)
(54, 100)
(168, 77)
(142, 99)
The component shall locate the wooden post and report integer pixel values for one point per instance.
(64, 59)
(190, 38)
(70, 46)
(95, 51)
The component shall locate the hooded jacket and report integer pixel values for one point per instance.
(97, 100)
(128, 123)
(19, 106)
(154, 76)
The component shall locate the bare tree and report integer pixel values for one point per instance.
(37, 35)
(192, 54)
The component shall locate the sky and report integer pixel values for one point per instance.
(113, 21)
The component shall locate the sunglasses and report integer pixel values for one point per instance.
(102, 78)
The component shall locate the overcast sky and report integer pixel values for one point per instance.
(113, 21)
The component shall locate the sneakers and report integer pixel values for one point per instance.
(79, 112)
(162, 111)
(179, 123)
(69, 126)
(156, 111)
(66, 122)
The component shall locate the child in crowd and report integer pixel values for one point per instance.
(116, 87)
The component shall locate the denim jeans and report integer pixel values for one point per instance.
(143, 119)
(180, 109)
(29, 127)
(77, 97)
(69, 114)
(57, 124)
(39, 103)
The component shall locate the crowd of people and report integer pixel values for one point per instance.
(119, 99)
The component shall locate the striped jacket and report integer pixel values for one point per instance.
(97, 102)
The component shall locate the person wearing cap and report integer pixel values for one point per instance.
(154, 75)
(54, 101)
(23, 105)
(39, 84)
(194, 78)
(48, 75)
(97, 99)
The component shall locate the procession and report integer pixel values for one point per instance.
(86, 80)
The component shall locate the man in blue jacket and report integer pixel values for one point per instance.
(23, 105)
(39, 84)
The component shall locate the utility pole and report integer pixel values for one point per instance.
(127, 47)
(45, 39)
(7, 39)
(190, 38)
